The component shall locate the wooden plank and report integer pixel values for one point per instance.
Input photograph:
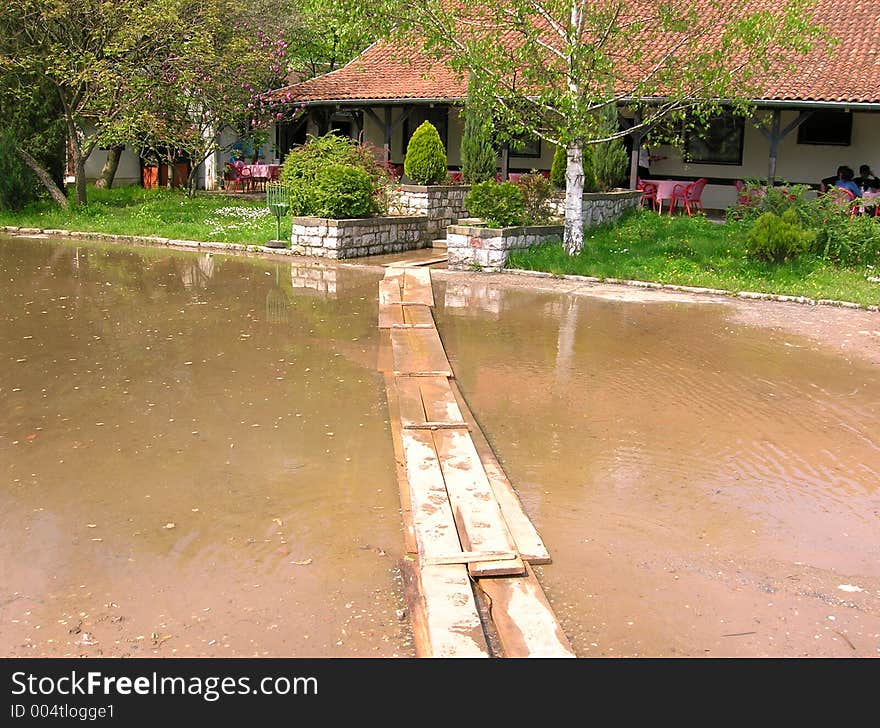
(438, 426)
(417, 287)
(418, 315)
(419, 351)
(481, 526)
(409, 534)
(453, 623)
(435, 529)
(528, 541)
(439, 401)
(467, 557)
(390, 314)
(384, 355)
(412, 410)
(389, 293)
(524, 620)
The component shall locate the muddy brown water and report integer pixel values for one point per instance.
(195, 458)
(707, 484)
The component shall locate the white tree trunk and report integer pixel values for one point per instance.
(573, 242)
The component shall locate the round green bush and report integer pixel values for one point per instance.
(499, 204)
(777, 239)
(425, 161)
(342, 191)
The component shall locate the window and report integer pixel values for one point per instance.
(526, 148)
(438, 116)
(718, 140)
(833, 128)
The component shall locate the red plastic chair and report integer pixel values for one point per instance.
(844, 198)
(245, 176)
(649, 193)
(689, 195)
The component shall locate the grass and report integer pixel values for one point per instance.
(696, 252)
(132, 210)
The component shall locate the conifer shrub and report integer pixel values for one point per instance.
(776, 239)
(425, 161)
(560, 162)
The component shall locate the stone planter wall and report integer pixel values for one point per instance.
(441, 205)
(356, 238)
(484, 248)
(601, 208)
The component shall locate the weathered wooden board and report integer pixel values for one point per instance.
(417, 287)
(428, 400)
(418, 315)
(384, 354)
(452, 621)
(390, 314)
(524, 620)
(481, 526)
(419, 352)
(409, 533)
(389, 292)
(435, 529)
(468, 557)
(528, 541)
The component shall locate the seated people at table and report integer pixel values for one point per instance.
(867, 180)
(829, 181)
(846, 182)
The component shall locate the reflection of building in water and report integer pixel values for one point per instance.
(197, 274)
(476, 296)
(313, 277)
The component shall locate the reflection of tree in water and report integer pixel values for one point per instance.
(195, 274)
(277, 304)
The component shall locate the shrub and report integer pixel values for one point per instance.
(777, 239)
(425, 161)
(500, 204)
(849, 242)
(536, 190)
(557, 170)
(304, 163)
(479, 159)
(343, 191)
(18, 186)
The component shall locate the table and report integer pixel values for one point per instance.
(869, 198)
(664, 189)
(262, 173)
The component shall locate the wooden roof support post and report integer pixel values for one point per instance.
(775, 135)
(637, 137)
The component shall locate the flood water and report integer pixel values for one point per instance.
(706, 487)
(195, 457)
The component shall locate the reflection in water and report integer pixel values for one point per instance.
(463, 297)
(314, 277)
(178, 477)
(694, 478)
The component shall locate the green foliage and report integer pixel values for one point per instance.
(849, 242)
(536, 191)
(304, 164)
(610, 160)
(342, 192)
(425, 161)
(776, 239)
(479, 159)
(17, 183)
(591, 183)
(557, 170)
(499, 204)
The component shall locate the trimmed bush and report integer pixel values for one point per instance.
(425, 161)
(303, 164)
(343, 191)
(777, 239)
(557, 170)
(499, 204)
(536, 190)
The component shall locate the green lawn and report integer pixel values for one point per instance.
(696, 252)
(132, 210)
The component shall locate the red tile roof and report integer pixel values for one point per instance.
(849, 74)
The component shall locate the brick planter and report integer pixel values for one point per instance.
(441, 205)
(358, 237)
(485, 248)
(600, 208)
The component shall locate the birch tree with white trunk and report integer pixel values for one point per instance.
(549, 67)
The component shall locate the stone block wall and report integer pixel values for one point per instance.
(483, 248)
(356, 238)
(441, 205)
(601, 208)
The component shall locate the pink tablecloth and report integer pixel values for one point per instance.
(664, 189)
(263, 171)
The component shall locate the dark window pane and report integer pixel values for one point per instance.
(719, 140)
(827, 127)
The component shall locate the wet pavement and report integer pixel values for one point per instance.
(195, 458)
(706, 483)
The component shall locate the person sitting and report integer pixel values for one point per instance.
(829, 181)
(846, 182)
(867, 180)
